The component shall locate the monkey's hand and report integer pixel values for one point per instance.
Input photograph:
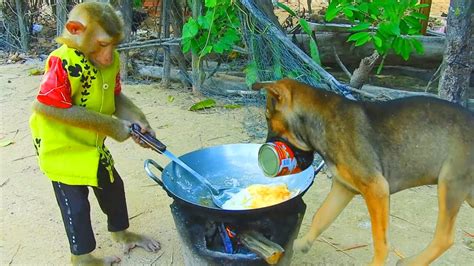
(145, 129)
(81, 117)
(127, 110)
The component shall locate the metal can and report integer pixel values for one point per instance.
(277, 159)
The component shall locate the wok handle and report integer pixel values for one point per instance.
(153, 142)
(150, 173)
(318, 168)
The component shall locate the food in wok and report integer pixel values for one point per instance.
(258, 196)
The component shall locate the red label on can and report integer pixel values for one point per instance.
(286, 159)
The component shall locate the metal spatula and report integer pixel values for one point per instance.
(219, 195)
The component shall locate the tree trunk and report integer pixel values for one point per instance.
(454, 80)
(126, 7)
(266, 6)
(61, 16)
(24, 32)
(197, 71)
(177, 55)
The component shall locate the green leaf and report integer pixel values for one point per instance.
(332, 10)
(364, 7)
(170, 98)
(305, 26)
(406, 49)
(206, 21)
(377, 41)
(419, 15)
(420, 6)
(186, 44)
(363, 40)
(190, 29)
(4, 143)
(210, 3)
(206, 50)
(251, 73)
(357, 36)
(387, 29)
(349, 13)
(412, 21)
(361, 26)
(207, 103)
(232, 106)
(397, 45)
(418, 46)
(287, 9)
(314, 51)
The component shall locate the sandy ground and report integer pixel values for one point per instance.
(31, 228)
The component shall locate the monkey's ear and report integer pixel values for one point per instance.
(75, 27)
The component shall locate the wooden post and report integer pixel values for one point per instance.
(24, 33)
(425, 11)
(165, 81)
(126, 7)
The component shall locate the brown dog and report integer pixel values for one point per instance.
(376, 149)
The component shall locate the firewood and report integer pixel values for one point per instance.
(262, 246)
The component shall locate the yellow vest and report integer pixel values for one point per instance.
(69, 154)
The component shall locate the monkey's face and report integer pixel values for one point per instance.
(102, 52)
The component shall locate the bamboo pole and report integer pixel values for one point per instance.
(165, 81)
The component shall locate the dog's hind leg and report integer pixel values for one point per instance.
(337, 199)
(451, 195)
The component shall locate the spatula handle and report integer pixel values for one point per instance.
(154, 143)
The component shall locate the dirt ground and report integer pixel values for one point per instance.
(31, 228)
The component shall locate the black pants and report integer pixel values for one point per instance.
(75, 209)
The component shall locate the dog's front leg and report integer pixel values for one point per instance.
(335, 202)
(377, 198)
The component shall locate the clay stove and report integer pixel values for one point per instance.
(210, 238)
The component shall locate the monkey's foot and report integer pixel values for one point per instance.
(302, 244)
(132, 240)
(88, 259)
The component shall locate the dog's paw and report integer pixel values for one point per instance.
(301, 244)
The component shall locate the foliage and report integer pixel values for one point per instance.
(306, 28)
(387, 24)
(214, 32)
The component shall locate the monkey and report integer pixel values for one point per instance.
(79, 104)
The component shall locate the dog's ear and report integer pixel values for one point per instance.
(277, 90)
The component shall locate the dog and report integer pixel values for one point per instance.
(376, 149)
